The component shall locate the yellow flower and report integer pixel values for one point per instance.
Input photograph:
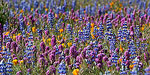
(118, 61)
(56, 15)
(121, 49)
(28, 23)
(3, 47)
(21, 61)
(33, 29)
(76, 20)
(6, 33)
(43, 39)
(111, 4)
(46, 9)
(31, 9)
(19, 34)
(58, 36)
(63, 45)
(61, 30)
(86, 44)
(64, 38)
(14, 37)
(121, 60)
(75, 72)
(48, 40)
(92, 25)
(92, 30)
(119, 9)
(58, 42)
(131, 66)
(15, 61)
(10, 25)
(69, 44)
(93, 36)
(120, 5)
(133, 61)
(84, 11)
(21, 11)
(97, 27)
(49, 44)
(61, 35)
(142, 28)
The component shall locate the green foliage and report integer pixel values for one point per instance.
(4, 14)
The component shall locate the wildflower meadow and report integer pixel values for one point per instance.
(74, 37)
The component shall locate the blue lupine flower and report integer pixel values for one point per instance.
(65, 3)
(107, 73)
(41, 5)
(101, 31)
(147, 70)
(62, 68)
(132, 50)
(73, 4)
(137, 31)
(114, 58)
(36, 3)
(29, 7)
(50, 19)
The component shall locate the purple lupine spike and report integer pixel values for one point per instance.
(47, 72)
(105, 58)
(8, 45)
(52, 58)
(67, 59)
(60, 47)
(13, 45)
(52, 69)
(46, 32)
(66, 51)
(42, 45)
(53, 41)
(47, 48)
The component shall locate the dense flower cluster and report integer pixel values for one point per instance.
(76, 37)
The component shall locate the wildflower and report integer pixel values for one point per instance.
(53, 41)
(46, 9)
(69, 44)
(52, 70)
(15, 61)
(21, 61)
(142, 28)
(63, 45)
(18, 73)
(121, 49)
(42, 45)
(62, 68)
(92, 25)
(111, 4)
(131, 66)
(56, 15)
(33, 29)
(93, 37)
(6, 33)
(75, 72)
(60, 30)
(19, 34)
(120, 5)
(43, 39)
(21, 11)
(48, 40)
(46, 32)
